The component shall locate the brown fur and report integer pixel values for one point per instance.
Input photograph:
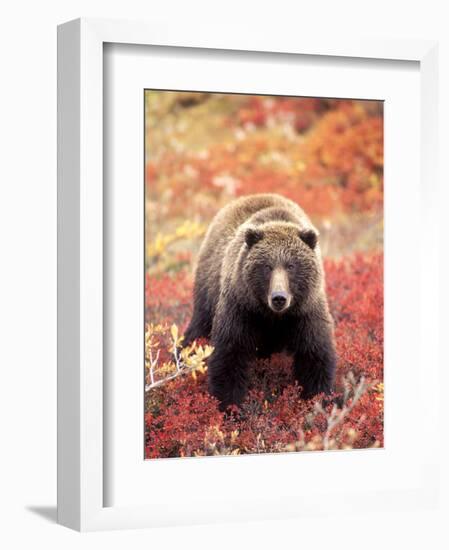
(247, 241)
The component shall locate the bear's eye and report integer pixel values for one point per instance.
(267, 268)
(290, 267)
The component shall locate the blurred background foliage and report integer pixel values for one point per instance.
(204, 149)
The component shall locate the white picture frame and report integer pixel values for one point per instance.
(81, 425)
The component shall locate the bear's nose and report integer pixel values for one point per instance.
(278, 299)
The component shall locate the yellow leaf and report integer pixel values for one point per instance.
(174, 332)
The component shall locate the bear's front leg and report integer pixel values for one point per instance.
(227, 375)
(228, 364)
(315, 357)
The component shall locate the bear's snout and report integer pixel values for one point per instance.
(279, 296)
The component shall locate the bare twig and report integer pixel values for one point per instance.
(336, 416)
(149, 387)
(153, 363)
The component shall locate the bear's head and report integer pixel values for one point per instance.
(281, 267)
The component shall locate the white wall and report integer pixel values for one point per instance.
(28, 264)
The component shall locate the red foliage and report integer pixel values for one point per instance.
(260, 111)
(180, 429)
(168, 298)
(183, 419)
(333, 164)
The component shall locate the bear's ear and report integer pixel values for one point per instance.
(253, 236)
(309, 236)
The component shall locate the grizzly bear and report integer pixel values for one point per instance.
(259, 289)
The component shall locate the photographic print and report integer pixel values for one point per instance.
(263, 274)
